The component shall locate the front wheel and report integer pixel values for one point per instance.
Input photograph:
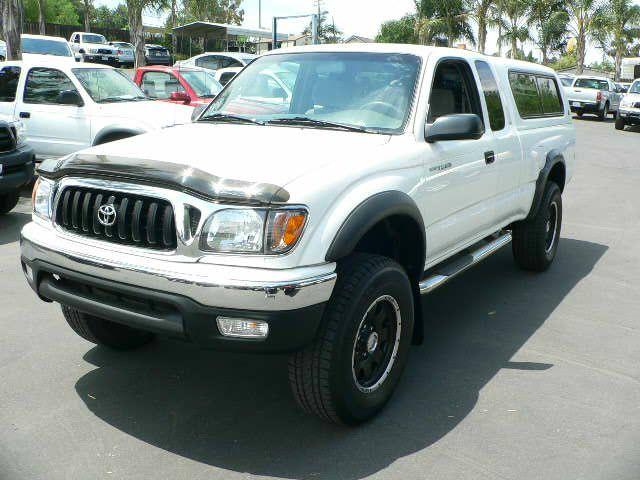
(351, 370)
(8, 201)
(535, 240)
(620, 123)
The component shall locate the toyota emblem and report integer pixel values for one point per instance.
(107, 215)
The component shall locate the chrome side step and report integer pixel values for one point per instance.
(442, 274)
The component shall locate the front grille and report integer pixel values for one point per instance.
(138, 221)
(7, 139)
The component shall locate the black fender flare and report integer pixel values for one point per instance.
(367, 214)
(553, 158)
(117, 131)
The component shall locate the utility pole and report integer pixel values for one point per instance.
(315, 20)
(259, 13)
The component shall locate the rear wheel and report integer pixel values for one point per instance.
(104, 332)
(602, 115)
(620, 123)
(8, 201)
(535, 240)
(579, 113)
(351, 370)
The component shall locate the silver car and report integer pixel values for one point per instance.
(124, 53)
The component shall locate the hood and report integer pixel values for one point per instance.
(154, 113)
(631, 97)
(241, 162)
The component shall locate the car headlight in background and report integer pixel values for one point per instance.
(41, 198)
(253, 230)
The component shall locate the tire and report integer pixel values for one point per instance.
(535, 240)
(329, 378)
(114, 137)
(579, 113)
(8, 201)
(602, 114)
(105, 333)
(620, 123)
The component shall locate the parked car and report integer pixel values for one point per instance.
(396, 168)
(16, 161)
(566, 79)
(157, 55)
(188, 85)
(92, 48)
(596, 95)
(70, 106)
(124, 52)
(41, 45)
(218, 60)
(225, 75)
(629, 111)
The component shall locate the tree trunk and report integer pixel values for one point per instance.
(87, 14)
(136, 32)
(545, 54)
(42, 17)
(618, 63)
(174, 39)
(12, 27)
(499, 28)
(514, 47)
(580, 53)
(482, 31)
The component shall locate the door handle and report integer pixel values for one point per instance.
(489, 157)
(25, 115)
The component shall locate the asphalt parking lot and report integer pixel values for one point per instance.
(522, 376)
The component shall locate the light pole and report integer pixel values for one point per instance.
(260, 14)
(314, 28)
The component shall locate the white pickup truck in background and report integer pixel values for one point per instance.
(93, 48)
(596, 95)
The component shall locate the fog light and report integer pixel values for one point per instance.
(242, 327)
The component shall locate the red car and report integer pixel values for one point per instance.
(186, 85)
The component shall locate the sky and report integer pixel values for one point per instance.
(353, 17)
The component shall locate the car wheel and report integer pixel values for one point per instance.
(535, 240)
(8, 201)
(351, 370)
(104, 332)
(620, 123)
(604, 112)
(579, 113)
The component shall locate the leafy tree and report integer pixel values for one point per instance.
(398, 31)
(621, 19)
(604, 66)
(550, 18)
(450, 17)
(515, 28)
(567, 60)
(327, 32)
(581, 24)
(136, 31)
(62, 12)
(106, 17)
(222, 11)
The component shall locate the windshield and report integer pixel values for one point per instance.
(45, 47)
(372, 91)
(93, 38)
(203, 83)
(635, 87)
(566, 81)
(592, 83)
(105, 85)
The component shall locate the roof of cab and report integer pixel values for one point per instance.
(44, 37)
(61, 63)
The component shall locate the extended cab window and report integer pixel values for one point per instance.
(453, 91)
(45, 84)
(491, 96)
(525, 92)
(551, 102)
(9, 83)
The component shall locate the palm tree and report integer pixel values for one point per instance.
(42, 17)
(550, 19)
(481, 14)
(450, 17)
(515, 26)
(581, 24)
(621, 19)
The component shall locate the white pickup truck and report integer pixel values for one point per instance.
(389, 170)
(93, 48)
(68, 106)
(596, 95)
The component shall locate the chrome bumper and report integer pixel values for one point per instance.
(209, 285)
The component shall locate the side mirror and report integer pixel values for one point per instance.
(69, 97)
(180, 97)
(197, 111)
(457, 126)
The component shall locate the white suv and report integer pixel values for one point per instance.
(387, 171)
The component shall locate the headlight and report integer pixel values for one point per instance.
(21, 133)
(41, 198)
(249, 230)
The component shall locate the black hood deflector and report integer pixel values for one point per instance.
(164, 174)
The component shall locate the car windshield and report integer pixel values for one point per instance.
(592, 83)
(45, 47)
(93, 38)
(106, 85)
(635, 87)
(367, 91)
(203, 83)
(566, 81)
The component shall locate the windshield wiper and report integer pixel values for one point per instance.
(311, 122)
(226, 117)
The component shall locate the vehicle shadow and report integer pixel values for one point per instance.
(10, 226)
(235, 411)
(593, 118)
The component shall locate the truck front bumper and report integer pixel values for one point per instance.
(17, 169)
(181, 299)
(631, 116)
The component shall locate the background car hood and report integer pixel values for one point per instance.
(150, 112)
(634, 97)
(248, 162)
